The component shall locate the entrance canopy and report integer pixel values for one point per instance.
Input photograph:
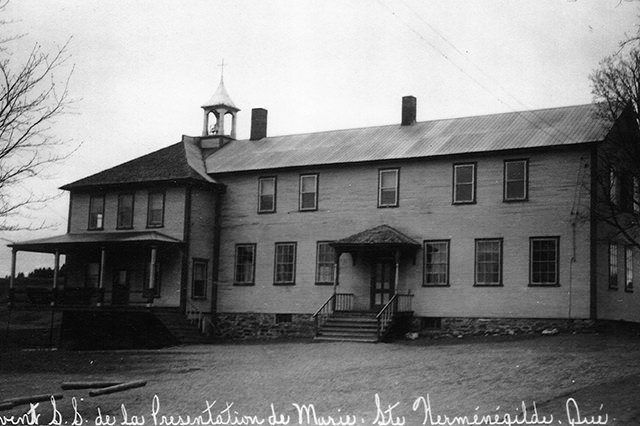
(382, 237)
(66, 242)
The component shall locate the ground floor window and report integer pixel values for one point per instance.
(488, 262)
(92, 275)
(613, 266)
(285, 264)
(199, 280)
(628, 267)
(245, 264)
(436, 263)
(543, 261)
(325, 261)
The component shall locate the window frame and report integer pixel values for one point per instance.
(424, 263)
(260, 195)
(613, 266)
(396, 202)
(499, 283)
(205, 263)
(161, 224)
(133, 202)
(474, 175)
(333, 271)
(628, 269)
(275, 263)
(252, 281)
(556, 240)
(525, 181)
(92, 197)
(315, 193)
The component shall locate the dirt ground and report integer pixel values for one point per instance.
(383, 384)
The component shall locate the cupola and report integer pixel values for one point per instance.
(219, 105)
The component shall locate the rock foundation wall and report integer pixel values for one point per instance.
(262, 326)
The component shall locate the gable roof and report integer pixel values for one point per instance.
(513, 130)
(383, 235)
(180, 161)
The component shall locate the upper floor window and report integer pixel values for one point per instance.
(308, 192)
(388, 187)
(325, 261)
(543, 260)
(489, 262)
(96, 212)
(245, 264)
(199, 279)
(464, 183)
(155, 211)
(267, 195)
(125, 211)
(285, 263)
(436, 262)
(515, 180)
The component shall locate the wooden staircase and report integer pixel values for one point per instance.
(350, 326)
(181, 328)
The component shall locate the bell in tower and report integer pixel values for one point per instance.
(220, 105)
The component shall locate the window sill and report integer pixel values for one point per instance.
(324, 283)
(544, 285)
(266, 212)
(198, 297)
(307, 210)
(284, 284)
(95, 229)
(389, 206)
(436, 285)
(628, 290)
(489, 285)
(124, 228)
(155, 226)
(462, 203)
(613, 288)
(515, 200)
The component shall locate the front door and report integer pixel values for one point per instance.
(120, 295)
(383, 276)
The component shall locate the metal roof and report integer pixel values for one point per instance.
(513, 130)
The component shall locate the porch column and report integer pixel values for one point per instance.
(103, 262)
(56, 269)
(336, 276)
(152, 274)
(397, 277)
(12, 278)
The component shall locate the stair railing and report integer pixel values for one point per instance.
(399, 303)
(197, 317)
(338, 302)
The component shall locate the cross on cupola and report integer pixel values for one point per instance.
(220, 105)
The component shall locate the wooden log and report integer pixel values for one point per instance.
(6, 405)
(118, 388)
(88, 385)
(31, 398)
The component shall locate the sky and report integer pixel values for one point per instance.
(140, 70)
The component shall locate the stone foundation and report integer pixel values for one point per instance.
(262, 326)
(504, 326)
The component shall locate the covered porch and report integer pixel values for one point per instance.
(116, 270)
(377, 256)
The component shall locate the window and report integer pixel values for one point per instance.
(267, 195)
(436, 263)
(613, 266)
(464, 183)
(125, 211)
(96, 212)
(489, 262)
(155, 210)
(245, 264)
(543, 261)
(628, 269)
(308, 192)
(283, 318)
(613, 186)
(285, 264)
(515, 180)
(199, 283)
(92, 277)
(325, 261)
(388, 187)
(156, 278)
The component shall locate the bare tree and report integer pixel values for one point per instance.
(616, 88)
(31, 98)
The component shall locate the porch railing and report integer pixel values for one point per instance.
(200, 319)
(338, 302)
(399, 303)
(74, 297)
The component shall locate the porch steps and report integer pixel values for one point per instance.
(184, 332)
(350, 327)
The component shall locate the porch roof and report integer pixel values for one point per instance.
(380, 237)
(70, 241)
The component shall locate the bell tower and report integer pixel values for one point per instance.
(220, 105)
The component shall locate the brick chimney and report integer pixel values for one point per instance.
(408, 110)
(258, 124)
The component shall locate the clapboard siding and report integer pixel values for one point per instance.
(173, 211)
(558, 183)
